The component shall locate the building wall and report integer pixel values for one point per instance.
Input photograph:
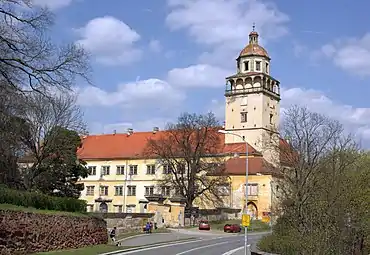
(235, 199)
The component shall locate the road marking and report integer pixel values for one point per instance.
(202, 247)
(134, 236)
(148, 247)
(233, 251)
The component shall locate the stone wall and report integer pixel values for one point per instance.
(126, 222)
(25, 233)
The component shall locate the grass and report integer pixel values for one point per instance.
(99, 249)
(89, 250)
(34, 210)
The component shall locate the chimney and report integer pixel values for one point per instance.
(130, 131)
(155, 130)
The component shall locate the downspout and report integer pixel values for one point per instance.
(125, 187)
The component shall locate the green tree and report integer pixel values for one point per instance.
(61, 169)
(323, 189)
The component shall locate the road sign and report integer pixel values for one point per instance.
(246, 220)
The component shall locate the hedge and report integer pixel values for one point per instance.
(41, 201)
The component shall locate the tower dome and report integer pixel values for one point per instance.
(253, 48)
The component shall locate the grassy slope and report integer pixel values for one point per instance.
(33, 210)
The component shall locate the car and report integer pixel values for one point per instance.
(204, 225)
(232, 228)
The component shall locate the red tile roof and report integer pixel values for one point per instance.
(237, 166)
(124, 146)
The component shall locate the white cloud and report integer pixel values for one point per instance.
(111, 40)
(350, 54)
(155, 46)
(52, 4)
(226, 27)
(198, 76)
(356, 120)
(144, 93)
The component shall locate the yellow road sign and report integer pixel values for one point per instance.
(246, 220)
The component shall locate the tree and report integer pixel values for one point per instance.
(320, 188)
(47, 120)
(61, 169)
(29, 60)
(190, 150)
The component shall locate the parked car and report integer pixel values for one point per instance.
(232, 228)
(204, 225)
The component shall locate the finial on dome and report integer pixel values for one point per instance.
(254, 26)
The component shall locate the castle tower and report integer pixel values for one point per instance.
(252, 98)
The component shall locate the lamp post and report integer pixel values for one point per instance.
(246, 246)
(271, 194)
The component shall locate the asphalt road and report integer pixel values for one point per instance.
(206, 246)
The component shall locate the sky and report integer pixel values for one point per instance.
(154, 59)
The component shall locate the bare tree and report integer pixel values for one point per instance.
(190, 151)
(45, 114)
(28, 58)
(318, 162)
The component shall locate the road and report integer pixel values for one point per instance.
(206, 246)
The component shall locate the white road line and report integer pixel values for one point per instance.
(135, 250)
(202, 247)
(233, 251)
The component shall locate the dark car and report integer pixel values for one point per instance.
(204, 225)
(232, 228)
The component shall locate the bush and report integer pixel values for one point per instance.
(41, 201)
(278, 245)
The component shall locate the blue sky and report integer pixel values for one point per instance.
(155, 59)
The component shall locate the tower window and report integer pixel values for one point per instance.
(244, 101)
(267, 67)
(271, 118)
(246, 66)
(258, 65)
(244, 116)
(238, 65)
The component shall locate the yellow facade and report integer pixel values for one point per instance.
(259, 196)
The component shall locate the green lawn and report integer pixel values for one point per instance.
(34, 210)
(89, 250)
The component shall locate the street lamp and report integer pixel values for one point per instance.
(271, 194)
(246, 246)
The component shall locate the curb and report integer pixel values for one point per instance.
(150, 245)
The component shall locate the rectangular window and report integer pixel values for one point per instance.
(105, 170)
(90, 208)
(92, 170)
(133, 169)
(253, 189)
(90, 190)
(267, 67)
(246, 66)
(119, 190)
(103, 190)
(167, 169)
(149, 190)
(131, 191)
(271, 118)
(120, 170)
(244, 101)
(177, 191)
(150, 169)
(244, 116)
(258, 65)
(166, 191)
(119, 208)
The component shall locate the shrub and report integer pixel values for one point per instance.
(41, 201)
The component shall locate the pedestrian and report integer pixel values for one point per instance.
(147, 227)
(151, 226)
(112, 235)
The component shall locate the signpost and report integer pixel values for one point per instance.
(246, 220)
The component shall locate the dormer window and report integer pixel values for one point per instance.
(258, 66)
(246, 66)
